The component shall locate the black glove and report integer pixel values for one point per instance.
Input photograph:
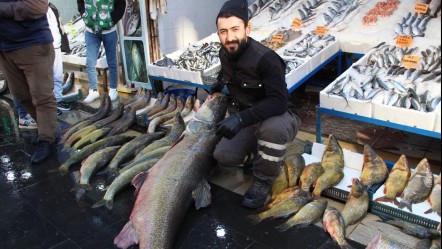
(216, 88)
(229, 127)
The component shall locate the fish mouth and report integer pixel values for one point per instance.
(214, 109)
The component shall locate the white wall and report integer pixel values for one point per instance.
(67, 9)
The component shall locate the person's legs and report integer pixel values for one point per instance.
(110, 46)
(58, 75)
(233, 152)
(58, 82)
(272, 144)
(93, 43)
(21, 111)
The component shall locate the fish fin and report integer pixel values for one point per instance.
(138, 181)
(100, 203)
(383, 199)
(405, 204)
(346, 246)
(283, 227)
(429, 211)
(110, 204)
(254, 218)
(127, 236)
(177, 141)
(80, 187)
(201, 195)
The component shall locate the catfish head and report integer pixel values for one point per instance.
(209, 114)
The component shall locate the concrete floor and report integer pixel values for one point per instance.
(74, 225)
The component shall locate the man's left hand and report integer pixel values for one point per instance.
(229, 127)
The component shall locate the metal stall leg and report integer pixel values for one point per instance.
(318, 125)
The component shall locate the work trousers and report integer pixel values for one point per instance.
(30, 79)
(267, 141)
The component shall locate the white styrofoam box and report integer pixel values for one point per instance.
(297, 74)
(324, 55)
(437, 119)
(338, 103)
(403, 116)
(418, 208)
(76, 60)
(155, 70)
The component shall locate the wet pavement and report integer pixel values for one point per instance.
(38, 210)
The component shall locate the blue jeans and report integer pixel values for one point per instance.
(20, 109)
(93, 42)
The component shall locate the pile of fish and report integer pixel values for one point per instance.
(292, 63)
(308, 10)
(433, 6)
(274, 8)
(287, 35)
(309, 46)
(294, 196)
(381, 9)
(384, 79)
(196, 57)
(340, 12)
(413, 187)
(412, 25)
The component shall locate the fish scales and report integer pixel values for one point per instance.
(356, 206)
(307, 215)
(166, 193)
(374, 169)
(396, 181)
(418, 186)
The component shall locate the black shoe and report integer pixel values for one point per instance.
(258, 194)
(42, 152)
(59, 112)
(63, 106)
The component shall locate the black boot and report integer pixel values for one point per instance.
(258, 194)
(42, 151)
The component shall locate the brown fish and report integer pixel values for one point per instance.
(396, 181)
(434, 198)
(419, 185)
(280, 183)
(308, 214)
(374, 169)
(329, 179)
(287, 193)
(294, 164)
(309, 175)
(357, 203)
(333, 157)
(412, 229)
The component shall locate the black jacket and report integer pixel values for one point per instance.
(256, 82)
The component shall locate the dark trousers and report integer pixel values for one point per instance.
(30, 80)
(267, 140)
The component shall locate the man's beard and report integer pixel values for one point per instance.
(235, 54)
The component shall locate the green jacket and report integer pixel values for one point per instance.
(101, 15)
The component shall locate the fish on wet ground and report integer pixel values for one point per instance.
(132, 148)
(396, 181)
(357, 203)
(123, 180)
(418, 187)
(92, 163)
(169, 186)
(91, 148)
(333, 223)
(283, 209)
(307, 215)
